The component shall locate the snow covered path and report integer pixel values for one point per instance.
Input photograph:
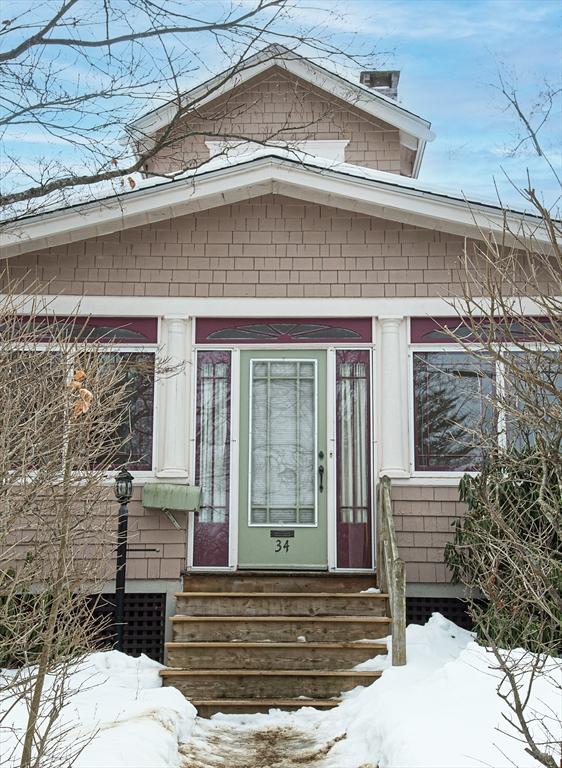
(438, 711)
(225, 743)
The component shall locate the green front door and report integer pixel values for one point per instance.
(282, 504)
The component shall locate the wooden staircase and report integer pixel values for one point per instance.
(246, 642)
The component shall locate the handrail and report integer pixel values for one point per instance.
(391, 571)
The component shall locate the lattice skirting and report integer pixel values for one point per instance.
(419, 609)
(145, 622)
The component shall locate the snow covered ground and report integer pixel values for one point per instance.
(117, 716)
(439, 711)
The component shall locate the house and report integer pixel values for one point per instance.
(303, 276)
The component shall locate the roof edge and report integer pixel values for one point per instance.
(265, 174)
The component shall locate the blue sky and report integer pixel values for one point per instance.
(449, 52)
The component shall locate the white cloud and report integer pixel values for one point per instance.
(427, 19)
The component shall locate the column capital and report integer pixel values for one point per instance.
(390, 320)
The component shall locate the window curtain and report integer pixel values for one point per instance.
(353, 459)
(283, 443)
(212, 458)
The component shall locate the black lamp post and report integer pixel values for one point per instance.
(123, 493)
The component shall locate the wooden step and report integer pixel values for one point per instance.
(279, 628)
(208, 707)
(271, 655)
(265, 683)
(275, 581)
(280, 604)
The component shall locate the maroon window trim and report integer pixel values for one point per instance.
(448, 330)
(104, 330)
(212, 330)
(354, 539)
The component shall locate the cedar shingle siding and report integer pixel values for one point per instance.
(271, 246)
(283, 108)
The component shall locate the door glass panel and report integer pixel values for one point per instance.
(354, 461)
(212, 458)
(283, 442)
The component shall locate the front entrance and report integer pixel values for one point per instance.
(282, 444)
(283, 460)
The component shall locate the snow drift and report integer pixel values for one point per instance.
(116, 710)
(441, 710)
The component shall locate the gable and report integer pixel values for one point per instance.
(414, 130)
(278, 106)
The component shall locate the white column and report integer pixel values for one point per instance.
(393, 438)
(174, 391)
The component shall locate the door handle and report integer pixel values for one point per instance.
(320, 478)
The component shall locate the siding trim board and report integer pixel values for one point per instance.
(249, 307)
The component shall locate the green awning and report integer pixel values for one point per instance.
(183, 498)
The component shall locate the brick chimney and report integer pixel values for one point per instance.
(385, 82)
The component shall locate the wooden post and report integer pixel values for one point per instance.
(399, 616)
(392, 572)
(378, 539)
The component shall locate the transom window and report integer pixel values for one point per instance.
(282, 330)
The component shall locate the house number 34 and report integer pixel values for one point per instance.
(279, 545)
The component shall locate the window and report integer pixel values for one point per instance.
(453, 393)
(533, 398)
(283, 442)
(451, 403)
(211, 330)
(353, 414)
(453, 389)
(135, 434)
(212, 458)
(104, 347)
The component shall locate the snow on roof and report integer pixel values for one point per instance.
(319, 164)
(223, 180)
(121, 188)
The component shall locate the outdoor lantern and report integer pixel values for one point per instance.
(123, 493)
(123, 487)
